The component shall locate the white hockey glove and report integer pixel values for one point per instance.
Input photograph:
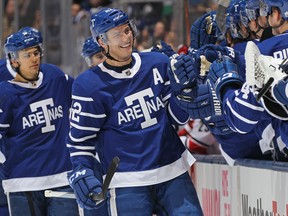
(271, 69)
(254, 75)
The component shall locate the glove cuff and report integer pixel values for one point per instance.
(227, 80)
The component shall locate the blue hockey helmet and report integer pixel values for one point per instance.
(106, 19)
(243, 14)
(205, 31)
(281, 4)
(26, 37)
(90, 48)
(237, 17)
(253, 9)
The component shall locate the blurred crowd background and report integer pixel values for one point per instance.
(65, 24)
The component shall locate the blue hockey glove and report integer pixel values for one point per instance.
(204, 31)
(217, 125)
(207, 54)
(181, 72)
(84, 182)
(215, 52)
(199, 102)
(222, 74)
(163, 48)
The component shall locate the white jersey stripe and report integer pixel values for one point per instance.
(82, 98)
(4, 125)
(81, 147)
(92, 115)
(251, 106)
(82, 154)
(82, 139)
(239, 116)
(84, 128)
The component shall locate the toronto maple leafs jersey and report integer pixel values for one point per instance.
(34, 121)
(275, 46)
(5, 73)
(241, 109)
(128, 112)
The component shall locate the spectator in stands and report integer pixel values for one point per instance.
(8, 21)
(144, 40)
(159, 32)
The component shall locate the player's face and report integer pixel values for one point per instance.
(120, 42)
(29, 62)
(274, 19)
(97, 58)
(262, 21)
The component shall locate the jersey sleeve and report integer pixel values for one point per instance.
(86, 118)
(242, 111)
(176, 115)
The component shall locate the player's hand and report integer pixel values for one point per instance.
(199, 102)
(207, 54)
(181, 72)
(204, 31)
(84, 182)
(163, 48)
(222, 74)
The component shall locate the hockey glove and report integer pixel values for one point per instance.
(223, 74)
(260, 68)
(270, 67)
(199, 102)
(214, 52)
(163, 48)
(84, 183)
(217, 125)
(181, 72)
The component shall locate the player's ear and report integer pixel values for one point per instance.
(228, 38)
(101, 43)
(14, 63)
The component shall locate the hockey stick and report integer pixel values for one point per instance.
(98, 198)
(264, 89)
(110, 173)
(221, 14)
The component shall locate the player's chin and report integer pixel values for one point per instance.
(35, 71)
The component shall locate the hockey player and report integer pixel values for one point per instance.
(257, 15)
(93, 55)
(4, 75)
(92, 52)
(125, 106)
(275, 47)
(34, 123)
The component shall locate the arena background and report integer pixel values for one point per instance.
(63, 36)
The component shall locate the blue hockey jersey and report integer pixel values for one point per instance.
(5, 73)
(275, 46)
(127, 113)
(34, 121)
(242, 110)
